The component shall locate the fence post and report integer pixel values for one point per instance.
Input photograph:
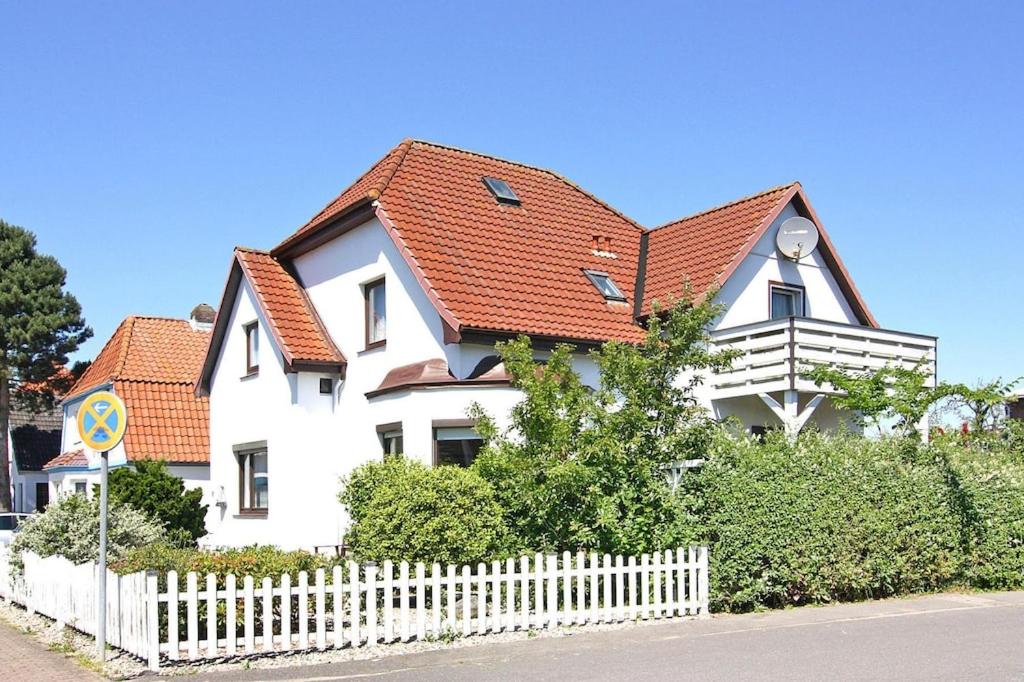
(152, 621)
(702, 592)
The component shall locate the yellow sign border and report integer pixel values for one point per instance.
(87, 407)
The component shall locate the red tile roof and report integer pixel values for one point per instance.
(151, 363)
(701, 247)
(493, 266)
(71, 458)
(293, 321)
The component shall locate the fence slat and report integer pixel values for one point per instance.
(230, 618)
(353, 604)
(152, 618)
(691, 565)
(566, 588)
(192, 614)
(552, 591)
(321, 610)
(403, 607)
(510, 594)
(656, 574)
(303, 592)
(286, 612)
(250, 626)
(172, 616)
(496, 615)
(421, 602)
(702, 587)
(669, 597)
(538, 590)
(594, 596)
(267, 599)
(580, 616)
(370, 578)
(449, 586)
(389, 601)
(435, 598)
(467, 619)
(211, 615)
(481, 598)
(680, 583)
(607, 588)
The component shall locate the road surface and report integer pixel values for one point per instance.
(950, 636)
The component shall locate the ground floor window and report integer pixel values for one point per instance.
(253, 481)
(391, 439)
(455, 442)
(42, 496)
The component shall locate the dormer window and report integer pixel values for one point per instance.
(603, 282)
(252, 347)
(501, 191)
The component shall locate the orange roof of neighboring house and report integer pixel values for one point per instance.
(71, 458)
(151, 363)
(293, 321)
(496, 267)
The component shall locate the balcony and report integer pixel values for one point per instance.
(774, 352)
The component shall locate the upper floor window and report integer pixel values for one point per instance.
(391, 439)
(252, 347)
(253, 480)
(786, 301)
(376, 313)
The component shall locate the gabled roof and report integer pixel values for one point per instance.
(490, 266)
(151, 364)
(72, 458)
(294, 324)
(706, 248)
(35, 437)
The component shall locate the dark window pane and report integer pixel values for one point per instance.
(458, 452)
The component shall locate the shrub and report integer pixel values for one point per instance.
(843, 517)
(403, 510)
(70, 527)
(148, 487)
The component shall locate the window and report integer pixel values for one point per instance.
(252, 482)
(456, 442)
(603, 282)
(326, 386)
(42, 496)
(252, 348)
(786, 301)
(376, 314)
(501, 191)
(80, 488)
(391, 440)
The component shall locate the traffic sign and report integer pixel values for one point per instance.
(102, 421)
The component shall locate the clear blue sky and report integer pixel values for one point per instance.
(142, 141)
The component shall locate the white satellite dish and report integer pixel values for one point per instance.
(797, 237)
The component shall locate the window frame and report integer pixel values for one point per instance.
(368, 288)
(441, 424)
(327, 382)
(251, 328)
(595, 275)
(509, 199)
(797, 289)
(247, 484)
(84, 485)
(387, 432)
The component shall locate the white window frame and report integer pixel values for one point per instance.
(799, 300)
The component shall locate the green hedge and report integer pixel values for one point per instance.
(844, 518)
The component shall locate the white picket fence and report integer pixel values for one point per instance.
(67, 593)
(368, 605)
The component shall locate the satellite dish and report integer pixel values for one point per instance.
(797, 237)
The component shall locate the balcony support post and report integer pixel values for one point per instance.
(793, 420)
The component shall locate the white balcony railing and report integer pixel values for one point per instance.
(774, 352)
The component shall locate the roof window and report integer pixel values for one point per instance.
(603, 282)
(501, 191)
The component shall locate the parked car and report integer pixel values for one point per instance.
(8, 525)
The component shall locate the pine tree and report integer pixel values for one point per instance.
(40, 324)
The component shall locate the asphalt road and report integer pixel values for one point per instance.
(948, 636)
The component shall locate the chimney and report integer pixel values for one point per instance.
(202, 317)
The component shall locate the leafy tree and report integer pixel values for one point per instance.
(150, 488)
(70, 527)
(890, 392)
(983, 401)
(40, 324)
(582, 469)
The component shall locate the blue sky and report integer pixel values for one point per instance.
(142, 141)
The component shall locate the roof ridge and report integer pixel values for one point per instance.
(728, 204)
(126, 343)
(550, 172)
(250, 249)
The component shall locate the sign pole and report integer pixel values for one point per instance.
(101, 625)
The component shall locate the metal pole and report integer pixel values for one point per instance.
(101, 607)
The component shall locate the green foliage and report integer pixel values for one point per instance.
(581, 469)
(40, 324)
(984, 401)
(890, 392)
(843, 517)
(149, 488)
(70, 527)
(403, 510)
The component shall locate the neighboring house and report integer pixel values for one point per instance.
(371, 330)
(150, 363)
(1015, 406)
(34, 440)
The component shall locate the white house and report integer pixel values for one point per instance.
(371, 330)
(33, 440)
(151, 363)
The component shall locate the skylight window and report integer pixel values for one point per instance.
(501, 191)
(603, 282)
